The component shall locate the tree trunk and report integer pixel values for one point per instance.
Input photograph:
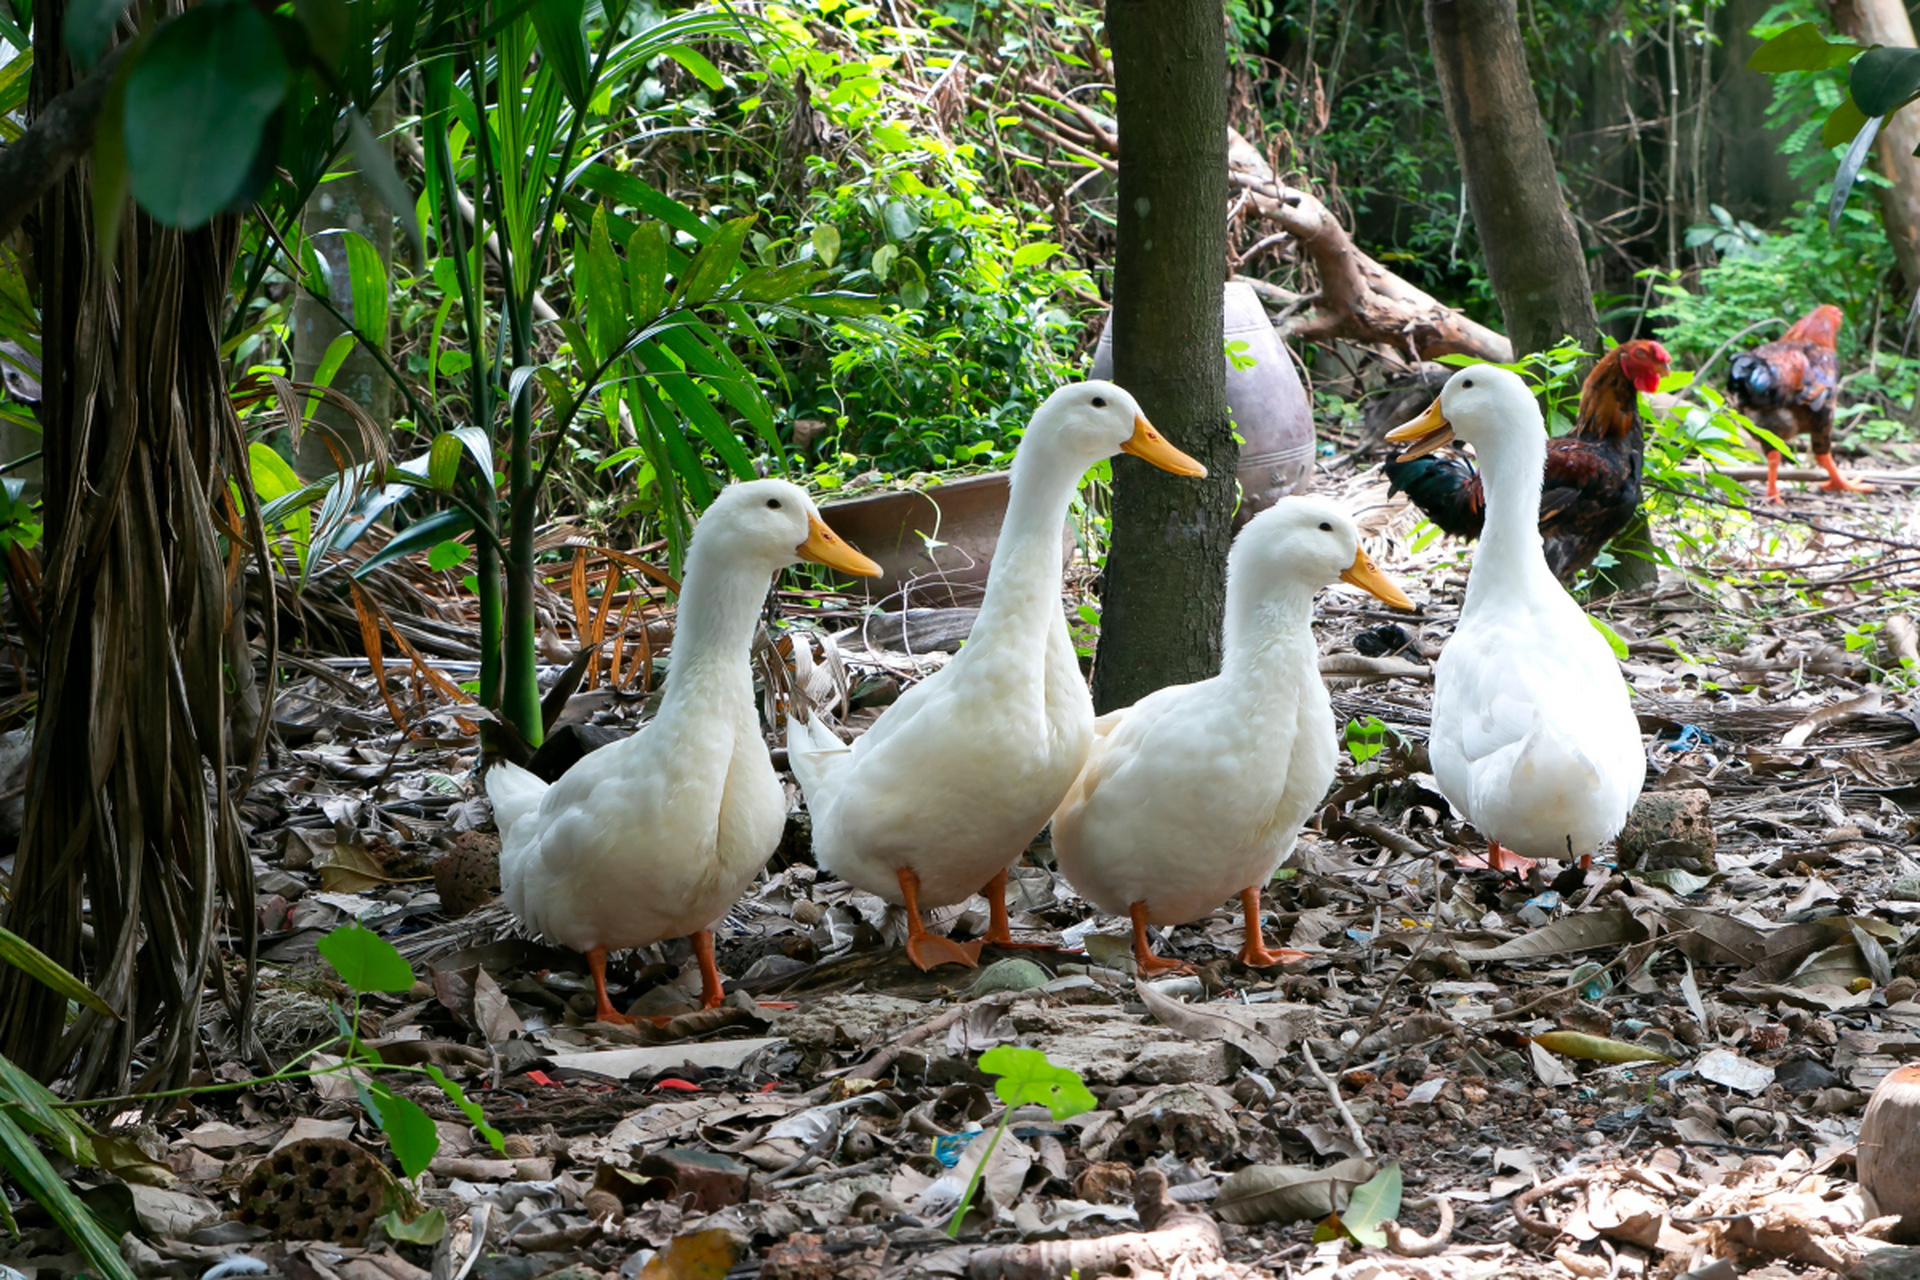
(131, 836)
(347, 203)
(1165, 590)
(1885, 22)
(1533, 254)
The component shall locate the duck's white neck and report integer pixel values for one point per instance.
(1510, 557)
(1267, 630)
(719, 604)
(1023, 586)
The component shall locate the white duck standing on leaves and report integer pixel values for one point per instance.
(953, 781)
(1197, 792)
(657, 835)
(1534, 739)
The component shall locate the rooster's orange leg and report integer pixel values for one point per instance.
(603, 1008)
(999, 927)
(1773, 476)
(1143, 957)
(1836, 482)
(929, 949)
(1255, 953)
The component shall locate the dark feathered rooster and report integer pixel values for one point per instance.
(1788, 387)
(1592, 485)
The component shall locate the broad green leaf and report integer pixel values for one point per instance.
(704, 354)
(410, 1131)
(1025, 1076)
(1850, 169)
(35, 1107)
(1612, 637)
(458, 1096)
(368, 278)
(883, 261)
(1801, 48)
(629, 190)
(366, 961)
(703, 71)
(38, 965)
(1028, 255)
(647, 272)
(1373, 1202)
(668, 376)
(87, 27)
(826, 243)
(429, 1228)
(1884, 80)
(901, 219)
(479, 447)
(36, 1177)
(443, 460)
(448, 555)
(196, 106)
(421, 535)
(330, 361)
(601, 289)
(714, 265)
(273, 478)
(1846, 120)
(563, 46)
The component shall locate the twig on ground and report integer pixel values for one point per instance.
(1339, 1103)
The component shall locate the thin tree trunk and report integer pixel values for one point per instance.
(1165, 591)
(1532, 251)
(131, 838)
(347, 203)
(1885, 22)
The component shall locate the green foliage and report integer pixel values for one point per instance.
(1024, 1077)
(1373, 1202)
(366, 961)
(1367, 737)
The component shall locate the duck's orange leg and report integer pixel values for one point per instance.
(1255, 953)
(925, 949)
(603, 1008)
(999, 926)
(1773, 476)
(711, 992)
(1501, 858)
(1143, 957)
(1836, 482)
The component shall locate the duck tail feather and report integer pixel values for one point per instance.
(515, 793)
(816, 755)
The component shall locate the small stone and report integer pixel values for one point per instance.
(1902, 989)
(1905, 889)
(1669, 829)
(1804, 1075)
(1012, 974)
(1181, 1062)
(714, 1181)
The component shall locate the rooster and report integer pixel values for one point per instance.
(1592, 486)
(1789, 387)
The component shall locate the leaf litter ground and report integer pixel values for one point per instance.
(1654, 1068)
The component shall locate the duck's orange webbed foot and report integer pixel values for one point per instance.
(712, 991)
(1501, 858)
(1835, 482)
(603, 1010)
(928, 950)
(1144, 960)
(1255, 952)
(999, 927)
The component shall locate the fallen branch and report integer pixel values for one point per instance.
(1177, 1236)
(1339, 1103)
(60, 134)
(1359, 300)
(1408, 1245)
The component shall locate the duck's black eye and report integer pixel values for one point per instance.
(1326, 527)
(773, 504)
(1099, 402)
(1467, 383)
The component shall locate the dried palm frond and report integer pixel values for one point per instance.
(149, 715)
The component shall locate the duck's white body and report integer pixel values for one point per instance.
(1197, 792)
(1534, 738)
(657, 835)
(956, 778)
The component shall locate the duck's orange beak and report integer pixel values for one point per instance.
(824, 546)
(1364, 574)
(1150, 446)
(1427, 432)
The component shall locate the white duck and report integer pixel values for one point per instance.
(1196, 792)
(657, 835)
(936, 800)
(1534, 739)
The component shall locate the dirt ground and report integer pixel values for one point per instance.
(1753, 944)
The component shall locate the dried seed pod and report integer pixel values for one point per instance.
(1889, 1150)
(317, 1189)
